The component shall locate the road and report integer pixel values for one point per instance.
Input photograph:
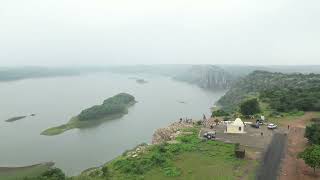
(270, 165)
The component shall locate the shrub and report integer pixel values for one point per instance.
(219, 113)
(105, 171)
(52, 174)
(199, 123)
(313, 133)
(171, 171)
(311, 156)
(315, 120)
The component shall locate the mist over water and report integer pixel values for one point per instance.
(55, 100)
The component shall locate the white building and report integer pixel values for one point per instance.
(236, 126)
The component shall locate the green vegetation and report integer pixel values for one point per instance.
(312, 133)
(112, 108)
(15, 118)
(311, 156)
(117, 104)
(282, 92)
(189, 158)
(250, 107)
(50, 174)
(219, 113)
(18, 173)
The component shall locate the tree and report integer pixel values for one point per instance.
(50, 174)
(311, 156)
(219, 113)
(250, 107)
(105, 171)
(313, 133)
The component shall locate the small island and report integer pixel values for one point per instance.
(112, 108)
(141, 81)
(182, 102)
(15, 118)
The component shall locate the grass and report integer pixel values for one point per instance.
(277, 117)
(286, 118)
(213, 161)
(22, 172)
(190, 158)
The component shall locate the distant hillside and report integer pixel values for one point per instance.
(28, 72)
(283, 92)
(207, 76)
(243, 70)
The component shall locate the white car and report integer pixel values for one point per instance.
(272, 126)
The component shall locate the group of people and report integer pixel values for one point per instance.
(186, 120)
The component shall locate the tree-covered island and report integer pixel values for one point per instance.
(111, 108)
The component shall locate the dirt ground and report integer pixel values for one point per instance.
(293, 168)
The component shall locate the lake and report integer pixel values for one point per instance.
(55, 100)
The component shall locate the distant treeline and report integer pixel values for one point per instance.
(17, 73)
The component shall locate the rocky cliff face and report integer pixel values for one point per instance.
(207, 76)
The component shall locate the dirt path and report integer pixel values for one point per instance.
(293, 168)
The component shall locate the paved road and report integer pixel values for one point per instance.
(270, 165)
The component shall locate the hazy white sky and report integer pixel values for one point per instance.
(66, 32)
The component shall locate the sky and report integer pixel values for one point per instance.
(118, 32)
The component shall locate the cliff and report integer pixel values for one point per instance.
(207, 76)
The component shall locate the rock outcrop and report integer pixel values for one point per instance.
(169, 133)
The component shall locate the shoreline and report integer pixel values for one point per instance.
(77, 122)
(5, 168)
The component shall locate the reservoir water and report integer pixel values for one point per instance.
(55, 100)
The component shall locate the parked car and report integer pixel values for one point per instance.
(272, 126)
(210, 135)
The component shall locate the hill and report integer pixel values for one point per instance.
(283, 92)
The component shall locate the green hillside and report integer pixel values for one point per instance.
(282, 92)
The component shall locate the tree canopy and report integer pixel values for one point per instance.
(311, 156)
(313, 133)
(114, 105)
(219, 113)
(50, 174)
(283, 92)
(250, 107)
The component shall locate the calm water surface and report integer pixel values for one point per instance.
(56, 100)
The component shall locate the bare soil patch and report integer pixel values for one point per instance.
(293, 168)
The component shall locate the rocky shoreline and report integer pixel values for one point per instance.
(169, 133)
